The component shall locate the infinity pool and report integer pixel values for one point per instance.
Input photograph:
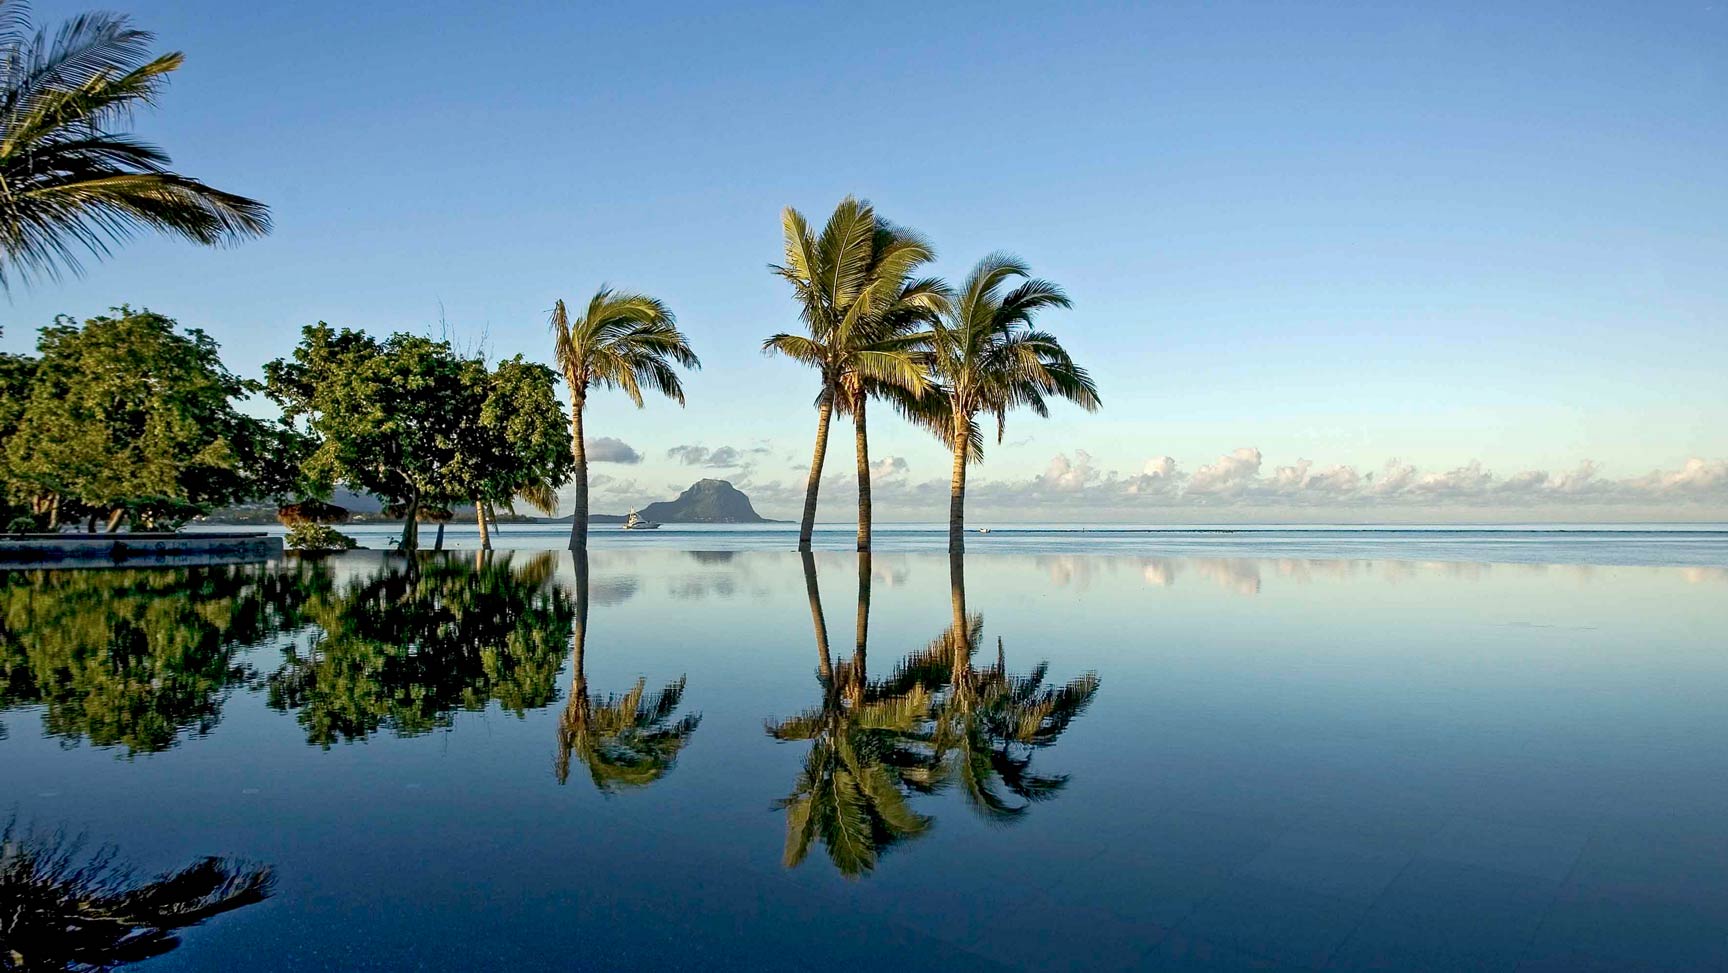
(666, 759)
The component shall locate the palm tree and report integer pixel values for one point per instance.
(628, 740)
(989, 723)
(860, 306)
(65, 911)
(623, 341)
(986, 356)
(866, 751)
(69, 182)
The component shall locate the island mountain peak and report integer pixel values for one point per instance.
(707, 501)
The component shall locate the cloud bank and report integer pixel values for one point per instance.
(1074, 487)
(608, 450)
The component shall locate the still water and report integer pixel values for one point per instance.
(751, 760)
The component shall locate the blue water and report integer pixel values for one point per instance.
(1627, 544)
(1278, 759)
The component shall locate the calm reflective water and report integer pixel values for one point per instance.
(749, 760)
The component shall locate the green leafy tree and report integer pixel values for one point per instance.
(139, 659)
(128, 417)
(519, 444)
(860, 306)
(397, 418)
(71, 182)
(16, 374)
(408, 647)
(986, 356)
(625, 740)
(623, 341)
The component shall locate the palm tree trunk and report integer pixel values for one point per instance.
(957, 493)
(862, 440)
(579, 631)
(859, 674)
(959, 627)
(438, 545)
(824, 412)
(114, 518)
(480, 518)
(579, 449)
(824, 662)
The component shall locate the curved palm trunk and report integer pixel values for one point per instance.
(480, 518)
(579, 628)
(957, 493)
(579, 449)
(860, 675)
(862, 440)
(957, 601)
(438, 545)
(824, 661)
(824, 412)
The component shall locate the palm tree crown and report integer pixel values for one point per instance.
(68, 182)
(861, 307)
(987, 356)
(624, 341)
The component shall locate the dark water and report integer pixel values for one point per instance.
(1039, 762)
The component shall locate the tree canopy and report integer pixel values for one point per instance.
(126, 416)
(417, 424)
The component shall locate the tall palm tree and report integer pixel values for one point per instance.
(623, 341)
(628, 740)
(69, 182)
(986, 356)
(861, 307)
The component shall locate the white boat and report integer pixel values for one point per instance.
(634, 522)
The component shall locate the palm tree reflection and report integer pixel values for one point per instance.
(937, 719)
(866, 754)
(625, 740)
(990, 722)
(63, 910)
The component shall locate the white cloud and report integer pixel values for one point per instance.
(608, 450)
(722, 457)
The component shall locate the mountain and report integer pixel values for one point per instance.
(707, 502)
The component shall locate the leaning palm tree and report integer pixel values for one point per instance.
(623, 341)
(625, 740)
(986, 356)
(69, 182)
(861, 307)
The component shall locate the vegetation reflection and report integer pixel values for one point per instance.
(937, 719)
(138, 658)
(625, 740)
(406, 648)
(61, 909)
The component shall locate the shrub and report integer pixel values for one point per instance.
(318, 537)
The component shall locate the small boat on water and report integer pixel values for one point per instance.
(635, 522)
(983, 530)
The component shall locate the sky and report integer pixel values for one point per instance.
(1347, 261)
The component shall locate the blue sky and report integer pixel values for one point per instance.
(1342, 233)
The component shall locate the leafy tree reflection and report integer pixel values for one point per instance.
(406, 648)
(625, 740)
(140, 658)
